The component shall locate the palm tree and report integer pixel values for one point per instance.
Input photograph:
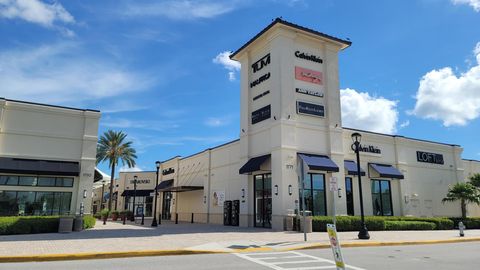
(466, 193)
(475, 180)
(112, 147)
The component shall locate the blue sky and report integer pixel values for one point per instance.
(159, 70)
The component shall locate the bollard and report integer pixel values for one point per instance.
(159, 218)
(176, 218)
(461, 228)
(124, 218)
(143, 220)
(192, 219)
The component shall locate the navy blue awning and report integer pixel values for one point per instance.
(253, 164)
(318, 162)
(39, 167)
(387, 171)
(165, 184)
(351, 168)
(137, 193)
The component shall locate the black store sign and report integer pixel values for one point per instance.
(310, 109)
(168, 171)
(261, 114)
(429, 157)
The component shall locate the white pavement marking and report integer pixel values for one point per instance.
(307, 261)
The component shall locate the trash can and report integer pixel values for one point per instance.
(308, 221)
(288, 223)
(65, 224)
(78, 224)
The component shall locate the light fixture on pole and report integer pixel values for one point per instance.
(290, 190)
(363, 232)
(134, 195)
(154, 221)
(103, 195)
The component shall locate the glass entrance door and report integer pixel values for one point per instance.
(166, 203)
(263, 200)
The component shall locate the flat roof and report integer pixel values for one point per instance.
(48, 105)
(296, 26)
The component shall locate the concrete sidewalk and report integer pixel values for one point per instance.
(115, 238)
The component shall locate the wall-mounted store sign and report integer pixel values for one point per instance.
(310, 109)
(308, 75)
(260, 80)
(308, 92)
(430, 157)
(141, 181)
(261, 114)
(263, 62)
(308, 56)
(168, 171)
(261, 95)
(369, 149)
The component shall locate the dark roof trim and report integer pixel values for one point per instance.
(172, 158)
(215, 147)
(474, 160)
(183, 189)
(48, 105)
(399, 136)
(296, 26)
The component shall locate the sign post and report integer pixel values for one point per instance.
(335, 244)
(334, 187)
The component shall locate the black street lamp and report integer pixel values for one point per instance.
(103, 195)
(154, 221)
(363, 232)
(134, 195)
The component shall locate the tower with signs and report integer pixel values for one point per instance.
(290, 104)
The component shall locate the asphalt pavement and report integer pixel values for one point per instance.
(439, 257)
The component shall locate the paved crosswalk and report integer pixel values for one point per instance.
(291, 260)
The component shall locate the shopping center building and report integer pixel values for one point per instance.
(291, 132)
(47, 158)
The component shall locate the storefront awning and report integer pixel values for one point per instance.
(183, 188)
(387, 171)
(351, 168)
(253, 164)
(165, 184)
(39, 167)
(137, 193)
(319, 162)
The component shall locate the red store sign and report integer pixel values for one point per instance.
(308, 75)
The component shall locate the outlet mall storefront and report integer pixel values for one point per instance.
(290, 120)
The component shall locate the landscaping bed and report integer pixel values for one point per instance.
(36, 224)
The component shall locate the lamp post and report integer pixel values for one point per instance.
(154, 221)
(103, 195)
(134, 195)
(363, 232)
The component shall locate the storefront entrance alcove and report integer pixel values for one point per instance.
(263, 200)
(167, 201)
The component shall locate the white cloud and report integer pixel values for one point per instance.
(452, 99)
(217, 121)
(63, 74)
(125, 168)
(180, 9)
(232, 66)
(405, 124)
(475, 4)
(38, 12)
(139, 124)
(362, 111)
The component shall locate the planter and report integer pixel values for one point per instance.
(65, 224)
(114, 217)
(78, 224)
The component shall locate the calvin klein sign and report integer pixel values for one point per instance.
(308, 92)
(263, 62)
(369, 149)
(430, 157)
(310, 109)
(260, 80)
(261, 114)
(309, 57)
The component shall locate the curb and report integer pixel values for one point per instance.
(147, 253)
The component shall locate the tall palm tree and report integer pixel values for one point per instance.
(464, 192)
(475, 180)
(112, 147)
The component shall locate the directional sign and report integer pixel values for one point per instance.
(333, 183)
(335, 244)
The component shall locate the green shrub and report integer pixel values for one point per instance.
(347, 223)
(26, 225)
(469, 222)
(441, 223)
(97, 215)
(392, 225)
(105, 213)
(89, 222)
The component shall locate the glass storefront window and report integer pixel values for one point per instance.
(27, 181)
(46, 181)
(381, 198)
(315, 200)
(41, 181)
(9, 180)
(349, 195)
(8, 205)
(26, 203)
(64, 182)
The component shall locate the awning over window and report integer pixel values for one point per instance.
(351, 168)
(387, 171)
(183, 188)
(138, 193)
(165, 184)
(39, 167)
(253, 164)
(318, 162)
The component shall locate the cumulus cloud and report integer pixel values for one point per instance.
(125, 168)
(405, 124)
(362, 111)
(63, 74)
(232, 66)
(217, 121)
(445, 96)
(475, 4)
(179, 9)
(38, 12)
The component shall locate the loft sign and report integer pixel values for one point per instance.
(308, 92)
(430, 157)
(263, 62)
(309, 57)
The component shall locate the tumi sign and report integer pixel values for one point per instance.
(308, 75)
(263, 62)
(427, 157)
